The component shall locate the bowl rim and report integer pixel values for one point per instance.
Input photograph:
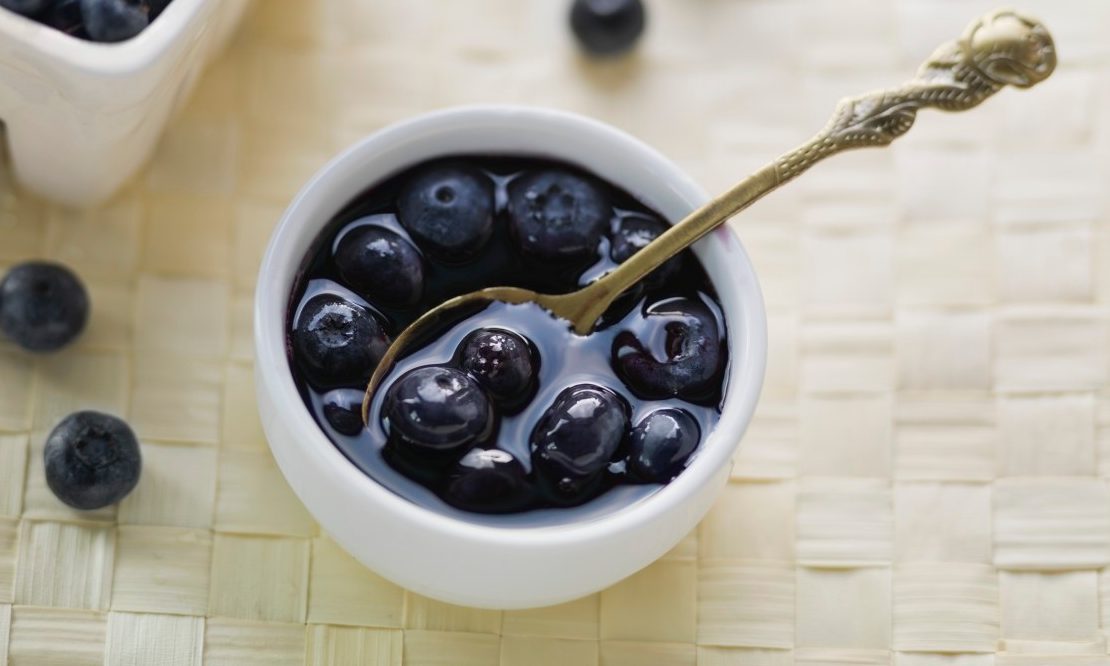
(272, 365)
(99, 58)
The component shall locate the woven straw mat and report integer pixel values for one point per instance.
(925, 483)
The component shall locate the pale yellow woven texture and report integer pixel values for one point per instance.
(925, 483)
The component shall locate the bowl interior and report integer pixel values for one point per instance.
(593, 146)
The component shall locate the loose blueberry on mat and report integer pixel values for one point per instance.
(607, 27)
(557, 214)
(677, 354)
(631, 234)
(114, 20)
(343, 410)
(488, 481)
(380, 265)
(504, 363)
(91, 460)
(660, 444)
(25, 7)
(434, 414)
(448, 209)
(43, 306)
(575, 440)
(337, 343)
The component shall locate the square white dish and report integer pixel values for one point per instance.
(82, 117)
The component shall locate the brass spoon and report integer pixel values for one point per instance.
(1001, 48)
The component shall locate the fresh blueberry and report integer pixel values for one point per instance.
(380, 265)
(43, 306)
(661, 444)
(574, 441)
(448, 209)
(434, 414)
(607, 27)
(91, 460)
(343, 410)
(337, 343)
(488, 481)
(631, 234)
(25, 7)
(65, 15)
(677, 353)
(557, 214)
(114, 20)
(504, 363)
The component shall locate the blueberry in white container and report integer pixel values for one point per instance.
(478, 562)
(81, 117)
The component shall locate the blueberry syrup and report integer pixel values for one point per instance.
(660, 348)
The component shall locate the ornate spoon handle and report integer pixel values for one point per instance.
(1001, 48)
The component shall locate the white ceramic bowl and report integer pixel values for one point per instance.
(82, 117)
(451, 559)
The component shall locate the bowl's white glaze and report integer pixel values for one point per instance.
(454, 560)
(82, 117)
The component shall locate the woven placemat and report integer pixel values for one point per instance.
(925, 483)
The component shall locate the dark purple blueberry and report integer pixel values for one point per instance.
(676, 353)
(157, 7)
(343, 410)
(91, 460)
(504, 363)
(65, 15)
(623, 305)
(337, 343)
(488, 481)
(434, 414)
(448, 210)
(661, 444)
(380, 265)
(557, 215)
(43, 306)
(607, 27)
(574, 440)
(114, 20)
(25, 7)
(631, 234)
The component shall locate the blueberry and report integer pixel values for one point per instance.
(488, 481)
(661, 444)
(676, 354)
(114, 20)
(157, 7)
(631, 234)
(557, 215)
(343, 410)
(25, 7)
(337, 343)
(574, 441)
(381, 266)
(43, 306)
(65, 15)
(91, 460)
(607, 27)
(504, 363)
(448, 209)
(434, 414)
